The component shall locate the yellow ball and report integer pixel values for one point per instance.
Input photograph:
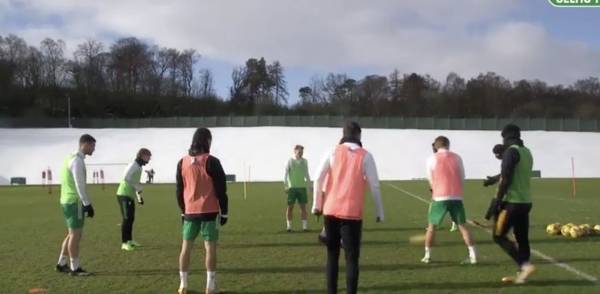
(553, 229)
(575, 232)
(565, 230)
(584, 229)
(597, 229)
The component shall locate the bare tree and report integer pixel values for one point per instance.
(32, 68)
(317, 85)
(454, 84)
(187, 59)
(207, 84)
(15, 53)
(130, 61)
(395, 81)
(88, 70)
(589, 86)
(160, 65)
(237, 91)
(54, 61)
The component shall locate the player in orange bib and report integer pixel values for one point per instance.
(349, 169)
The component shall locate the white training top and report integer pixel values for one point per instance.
(131, 169)
(77, 167)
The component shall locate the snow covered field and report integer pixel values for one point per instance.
(260, 153)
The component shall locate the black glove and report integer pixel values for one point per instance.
(182, 218)
(89, 210)
(490, 181)
(223, 220)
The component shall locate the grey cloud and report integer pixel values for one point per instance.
(423, 36)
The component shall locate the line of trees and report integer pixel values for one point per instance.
(487, 95)
(131, 78)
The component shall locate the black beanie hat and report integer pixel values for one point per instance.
(511, 131)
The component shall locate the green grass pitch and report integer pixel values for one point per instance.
(256, 255)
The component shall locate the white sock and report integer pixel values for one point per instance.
(289, 224)
(525, 264)
(183, 280)
(472, 253)
(304, 224)
(62, 260)
(427, 252)
(210, 280)
(74, 263)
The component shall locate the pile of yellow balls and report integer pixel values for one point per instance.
(571, 230)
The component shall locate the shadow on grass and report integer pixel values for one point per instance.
(278, 232)
(363, 268)
(176, 247)
(533, 242)
(365, 243)
(275, 270)
(139, 272)
(269, 245)
(399, 229)
(447, 286)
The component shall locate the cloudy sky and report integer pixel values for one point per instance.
(519, 39)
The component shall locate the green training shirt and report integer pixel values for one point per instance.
(519, 190)
(297, 173)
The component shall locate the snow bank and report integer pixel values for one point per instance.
(260, 153)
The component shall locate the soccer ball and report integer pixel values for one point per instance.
(575, 232)
(553, 229)
(587, 229)
(565, 230)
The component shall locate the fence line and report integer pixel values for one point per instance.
(575, 125)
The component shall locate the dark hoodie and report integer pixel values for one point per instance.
(510, 159)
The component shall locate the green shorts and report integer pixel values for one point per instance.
(73, 213)
(438, 209)
(208, 230)
(297, 194)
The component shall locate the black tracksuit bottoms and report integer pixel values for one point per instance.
(349, 232)
(127, 207)
(514, 216)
